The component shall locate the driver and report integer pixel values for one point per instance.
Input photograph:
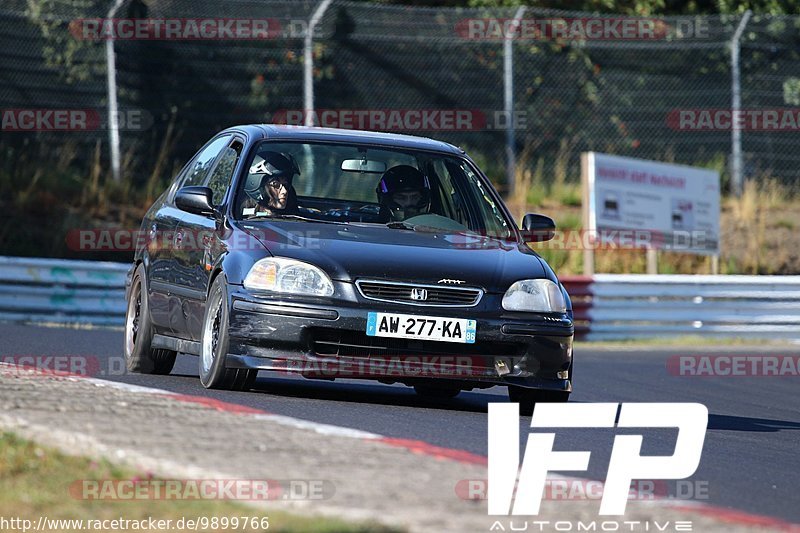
(269, 185)
(403, 192)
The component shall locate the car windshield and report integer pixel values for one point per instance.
(402, 189)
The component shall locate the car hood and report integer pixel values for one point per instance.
(353, 251)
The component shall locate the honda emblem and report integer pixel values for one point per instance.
(419, 294)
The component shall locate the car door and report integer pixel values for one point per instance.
(202, 242)
(196, 174)
(160, 229)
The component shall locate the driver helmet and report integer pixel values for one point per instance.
(404, 192)
(271, 170)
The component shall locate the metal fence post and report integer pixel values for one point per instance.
(736, 104)
(308, 62)
(508, 101)
(113, 112)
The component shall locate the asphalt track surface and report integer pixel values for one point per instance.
(750, 462)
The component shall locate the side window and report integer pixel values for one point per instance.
(221, 176)
(450, 200)
(490, 211)
(198, 171)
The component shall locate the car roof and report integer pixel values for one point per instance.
(308, 133)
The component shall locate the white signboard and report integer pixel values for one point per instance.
(655, 205)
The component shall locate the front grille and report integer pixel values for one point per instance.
(344, 343)
(419, 294)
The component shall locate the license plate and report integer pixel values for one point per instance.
(427, 328)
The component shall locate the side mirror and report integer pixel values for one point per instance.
(538, 228)
(195, 200)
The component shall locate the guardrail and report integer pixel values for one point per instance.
(606, 306)
(59, 290)
(612, 306)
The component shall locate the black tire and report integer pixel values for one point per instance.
(214, 344)
(528, 398)
(139, 355)
(438, 392)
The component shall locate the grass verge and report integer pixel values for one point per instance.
(35, 481)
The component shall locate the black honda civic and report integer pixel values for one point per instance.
(342, 254)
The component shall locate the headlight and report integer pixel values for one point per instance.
(535, 295)
(279, 274)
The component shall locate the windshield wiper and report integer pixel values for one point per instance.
(432, 229)
(286, 216)
(422, 228)
(401, 225)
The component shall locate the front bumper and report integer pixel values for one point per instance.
(328, 340)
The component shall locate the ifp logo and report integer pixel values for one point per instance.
(626, 463)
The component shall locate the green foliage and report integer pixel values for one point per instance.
(771, 7)
(569, 222)
(568, 194)
(76, 60)
(266, 82)
(791, 91)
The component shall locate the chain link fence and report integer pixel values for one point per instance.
(662, 91)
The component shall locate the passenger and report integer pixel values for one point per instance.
(403, 192)
(269, 186)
